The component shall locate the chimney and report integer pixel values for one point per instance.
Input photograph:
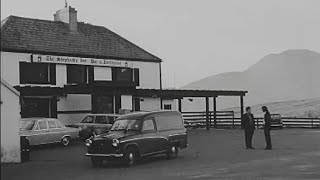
(67, 15)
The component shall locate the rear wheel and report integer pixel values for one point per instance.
(65, 141)
(131, 156)
(96, 161)
(172, 152)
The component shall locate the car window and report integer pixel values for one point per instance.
(169, 122)
(111, 119)
(52, 124)
(88, 119)
(148, 125)
(43, 125)
(101, 120)
(59, 125)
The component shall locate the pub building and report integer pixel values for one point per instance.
(65, 69)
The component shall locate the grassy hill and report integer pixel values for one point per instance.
(299, 108)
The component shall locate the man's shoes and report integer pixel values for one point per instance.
(268, 148)
(251, 148)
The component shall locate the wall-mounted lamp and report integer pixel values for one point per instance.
(191, 100)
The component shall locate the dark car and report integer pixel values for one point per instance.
(276, 121)
(95, 124)
(137, 135)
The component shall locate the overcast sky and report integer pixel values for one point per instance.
(195, 38)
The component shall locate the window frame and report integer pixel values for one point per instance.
(46, 124)
(115, 72)
(54, 123)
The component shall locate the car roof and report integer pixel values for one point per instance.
(142, 115)
(103, 115)
(36, 119)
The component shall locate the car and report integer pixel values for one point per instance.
(137, 135)
(40, 131)
(276, 121)
(95, 124)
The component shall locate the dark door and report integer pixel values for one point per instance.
(150, 139)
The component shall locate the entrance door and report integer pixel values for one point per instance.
(102, 104)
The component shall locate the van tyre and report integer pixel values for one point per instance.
(65, 141)
(172, 152)
(96, 161)
(131, 156)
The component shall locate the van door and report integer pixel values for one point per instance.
(150, 138)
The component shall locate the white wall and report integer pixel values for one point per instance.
(150, 104)
(10, 66)
(126, 102)
(73, 102)
(149, 74)
(10, 116)
(172, 102)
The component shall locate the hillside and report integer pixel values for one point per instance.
(300, 108)
(288, 76)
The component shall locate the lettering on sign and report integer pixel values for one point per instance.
(80, 61)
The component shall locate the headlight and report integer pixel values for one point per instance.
(88, 142)
(115, 142)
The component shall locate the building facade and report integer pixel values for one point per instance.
(66, 69)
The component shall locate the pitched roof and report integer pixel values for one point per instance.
(19, 34)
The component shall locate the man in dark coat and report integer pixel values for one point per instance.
(247, 123)
(267, 127)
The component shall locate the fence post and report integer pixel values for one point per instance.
(232, 120)
(312, 123)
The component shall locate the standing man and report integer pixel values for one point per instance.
(267, 127)
(247, 122)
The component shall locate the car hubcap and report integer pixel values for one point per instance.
(65, 141)
(173, 150)
(131, 158)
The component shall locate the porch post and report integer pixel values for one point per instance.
(207, 114)
(241, 106)
(179, 105)
(215, 111)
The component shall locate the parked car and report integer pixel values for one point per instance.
(138, 135)
(46, 130)
(276, 121)
(95, 124)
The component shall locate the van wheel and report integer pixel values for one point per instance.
(65, 141)
(172, 152)
(96, 161)
(131, 156)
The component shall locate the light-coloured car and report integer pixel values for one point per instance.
(46, 130)
(95, 124)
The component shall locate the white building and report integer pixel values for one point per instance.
(10, 115)
(66, 69)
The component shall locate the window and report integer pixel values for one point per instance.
(43, 125)
(76, 74)
(148, 125)
(37, 128)
(52, 124)
(169, 122)
(88, 119)
(59, 125)
(167, 106)
(122, 74)
(101, 120)
(37, 73)
(35, 107)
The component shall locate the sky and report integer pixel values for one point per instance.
(195, 38)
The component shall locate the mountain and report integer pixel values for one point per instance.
(287, 76)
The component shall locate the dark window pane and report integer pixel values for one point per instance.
(76, 74)
(167, 106)
(34, 73)
(102, 104)
(34, 107)
(101, 120)
(122, 74)
(137, 77)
